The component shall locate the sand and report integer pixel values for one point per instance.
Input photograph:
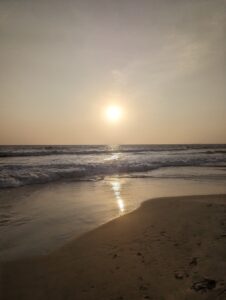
(170, 248)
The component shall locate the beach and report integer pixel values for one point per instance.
(169, 248)
(113, 150)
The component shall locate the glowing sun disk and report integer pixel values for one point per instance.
(113, 113)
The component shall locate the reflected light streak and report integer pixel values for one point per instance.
(116, 187)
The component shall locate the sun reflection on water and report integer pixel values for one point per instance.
(114, 156)
(116, 187)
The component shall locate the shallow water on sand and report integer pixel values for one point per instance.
(37, 219)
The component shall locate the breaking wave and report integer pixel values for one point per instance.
(25, 165)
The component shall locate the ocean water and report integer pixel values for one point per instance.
(25, 165)
(50, 195)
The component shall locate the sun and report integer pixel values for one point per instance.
(113, 113)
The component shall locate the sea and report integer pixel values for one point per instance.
(50, 195)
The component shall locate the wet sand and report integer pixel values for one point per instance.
(169, 248)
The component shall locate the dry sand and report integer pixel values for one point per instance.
(170, 248)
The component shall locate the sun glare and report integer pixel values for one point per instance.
(113, 113)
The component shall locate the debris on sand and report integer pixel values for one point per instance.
(180, 275)
(193, 262)
(204, 285)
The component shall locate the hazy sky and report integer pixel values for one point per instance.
(63, 62)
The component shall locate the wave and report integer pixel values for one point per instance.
(24, 165)
(24, 151)
(19, 175)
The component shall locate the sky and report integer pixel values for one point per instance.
(62, 63)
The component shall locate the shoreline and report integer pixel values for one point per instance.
(168, 248)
